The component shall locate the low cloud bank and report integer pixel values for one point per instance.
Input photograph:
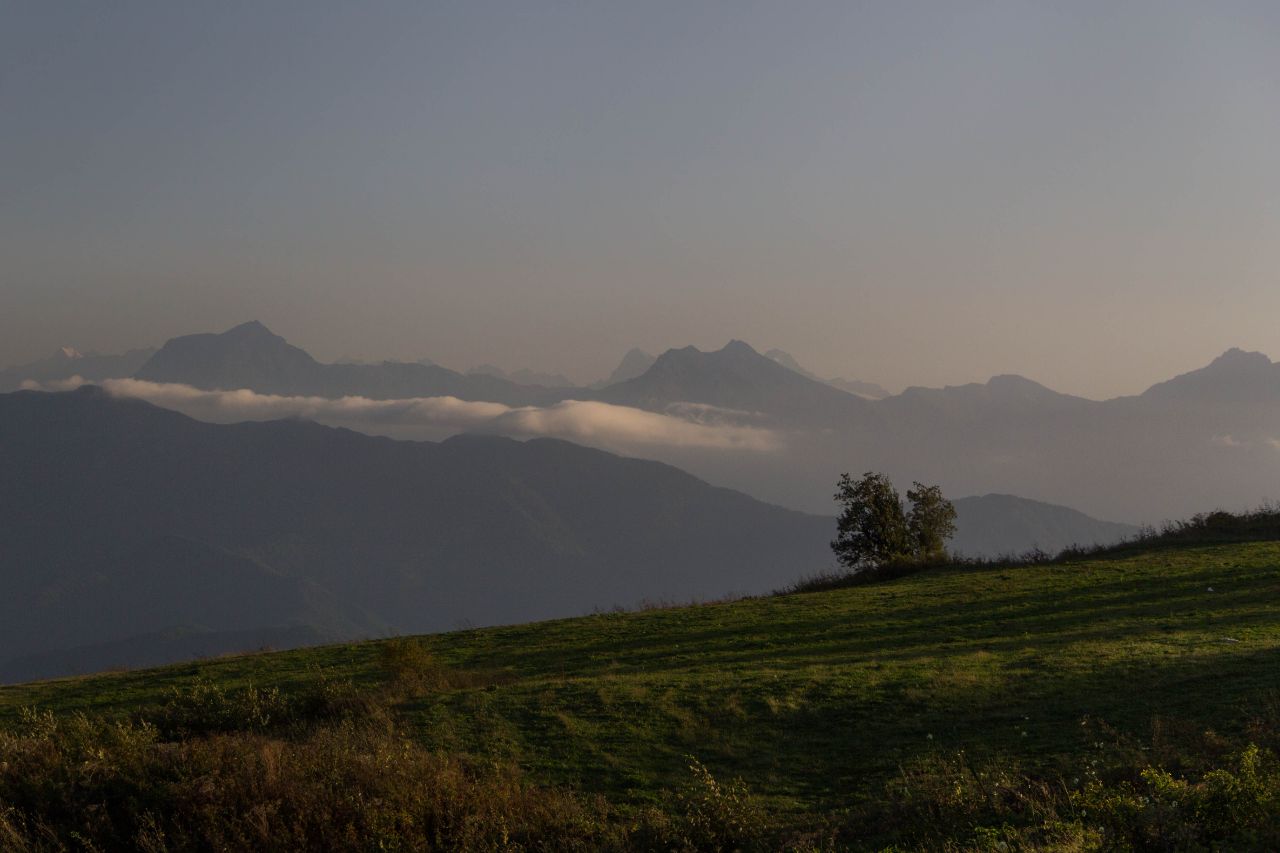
(586, 422)
(603, 423)
(71, 383)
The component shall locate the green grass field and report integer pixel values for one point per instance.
(817, 700)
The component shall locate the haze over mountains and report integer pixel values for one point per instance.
(121, 520)
(870, 390)
(739, 380)
(136, 534)
(524, 376)
(250, 356)
(633, 364)
(742, 419)
(1007, 524)
(68, 362)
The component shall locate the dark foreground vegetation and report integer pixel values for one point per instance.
(256, 770)
(336, 770)
(1121, 701)
(332, 767)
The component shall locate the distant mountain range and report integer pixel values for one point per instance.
(135, 535)
(131, 534)
(995, 525)
(870, 390)
(1234, 378)
(633, 364)
(133, 531)
(68, 362)
(1206, 439)
(251, 356)
(524, 376)
(739, 379)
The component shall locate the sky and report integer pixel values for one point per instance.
(908, 193)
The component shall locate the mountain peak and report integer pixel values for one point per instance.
(1236, 375)
(788, 361)
(737, 347)
(250, 356)
(247, 356)
(734, 351)
(70, 353)
(251, 329)
(1012, 379)
(739, 378)
(1236, 358)
(1012, 383)
(633, 364)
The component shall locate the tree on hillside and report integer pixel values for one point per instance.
(931, 521)
(874, 528)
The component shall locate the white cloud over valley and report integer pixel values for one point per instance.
(587, 422)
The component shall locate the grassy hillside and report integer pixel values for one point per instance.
(819, 701)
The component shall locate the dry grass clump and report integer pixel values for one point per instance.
(329, 770)
(411, 668)
(78, 783)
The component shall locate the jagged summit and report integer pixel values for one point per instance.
(633, 364)
(1236, 375)
(736, 377)
(251, 329)
(738, 353)
(1239, 359)
(737, 347)
(247, 356)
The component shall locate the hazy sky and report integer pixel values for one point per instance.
(910, 193)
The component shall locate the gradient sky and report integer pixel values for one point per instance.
(910, 193)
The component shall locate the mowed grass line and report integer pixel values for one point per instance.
(817, 699)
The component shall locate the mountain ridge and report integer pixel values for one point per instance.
(1236, 375)
(68, 362)
(858, 387)
(346, 533)
(996, 524)
(737, 378)
(251, 356)
(1206, 437)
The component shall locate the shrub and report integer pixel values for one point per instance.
(1235, 807)
(709, 815)
(1119, 801)
(949, 801)
(408, 662)
(205, 708)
